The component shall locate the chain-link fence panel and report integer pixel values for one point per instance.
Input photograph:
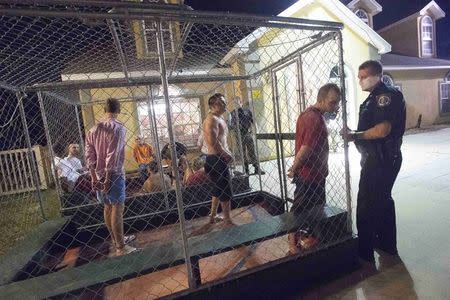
(168, 139)
(26, 195)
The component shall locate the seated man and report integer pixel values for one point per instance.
(166, 155)
(196, 174)
(143, 154)
(156, 182)
(77, 175)
(61, 169)
(166, 152)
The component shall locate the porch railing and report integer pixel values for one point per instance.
(16, 175)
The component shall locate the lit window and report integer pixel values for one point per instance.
(151, 40)
(145, 35)
(362, 14)
(445, 94)
(186, 120)
(427, 35)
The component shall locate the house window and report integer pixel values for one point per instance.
(445, 94)
(427, 35)
(151, 43)
(186, 121)
(145, 35)
(389, 81)
(362, 14)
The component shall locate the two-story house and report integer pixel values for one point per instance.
(412, 65)
(407, 49)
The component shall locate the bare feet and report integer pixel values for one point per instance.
(293, 249)
(126, 240)
(215, 219)
(308, 242)
(70, 258)
(292, 241)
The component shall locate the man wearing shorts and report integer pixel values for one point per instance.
(218, 157)
(310, 167)
(105, 154)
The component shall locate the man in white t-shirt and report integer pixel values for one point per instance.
(71, 173)
(62, 168)
(74, 163)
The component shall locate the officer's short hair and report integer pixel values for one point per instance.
(112, 106)
(325, 89)
(373, 66)
(214, 98)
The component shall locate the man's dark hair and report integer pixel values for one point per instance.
(58, 150)
(180, 149)
(112, 106)
(373, 66)
(153, 167)
(214, 98)
(325, 89)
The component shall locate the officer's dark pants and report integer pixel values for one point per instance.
(248, 147)
(375, 211)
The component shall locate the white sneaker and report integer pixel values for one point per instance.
(129, 238)
(125, 250)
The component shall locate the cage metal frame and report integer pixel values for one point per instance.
(158, 14)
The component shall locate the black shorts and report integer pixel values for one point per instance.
(219, 174)
(307, 195)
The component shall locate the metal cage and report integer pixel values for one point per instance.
(61, 61)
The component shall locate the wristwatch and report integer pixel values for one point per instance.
(357, 135)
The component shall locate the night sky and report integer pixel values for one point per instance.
(392, 12)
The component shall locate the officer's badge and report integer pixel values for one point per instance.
(383, 100)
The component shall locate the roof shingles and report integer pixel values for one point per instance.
(402, 62)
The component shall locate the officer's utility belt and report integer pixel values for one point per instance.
(393, 146)
(382, 152)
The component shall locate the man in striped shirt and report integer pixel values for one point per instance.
(105, 155)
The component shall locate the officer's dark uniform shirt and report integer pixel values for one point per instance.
(383, 104)
(245, 119)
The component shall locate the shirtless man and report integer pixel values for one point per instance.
(218, 157)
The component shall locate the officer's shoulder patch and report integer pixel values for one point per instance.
(383, 100)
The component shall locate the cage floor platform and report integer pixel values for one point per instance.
(174, 279)
(218, 253)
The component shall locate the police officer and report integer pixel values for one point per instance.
(378, 138)
(241, 120)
